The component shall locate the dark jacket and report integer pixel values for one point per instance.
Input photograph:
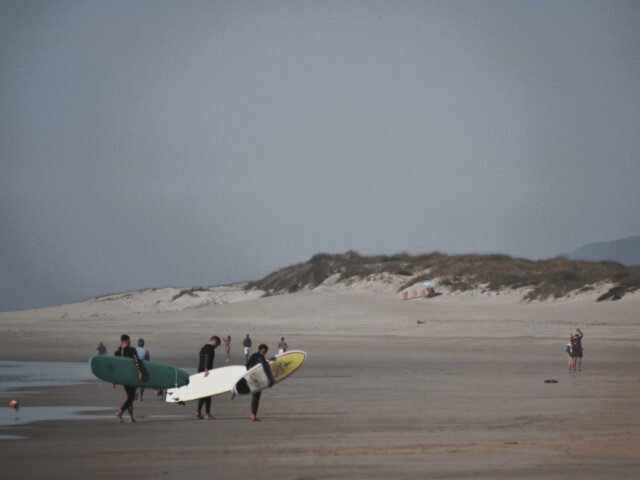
(129, 352)
(207, 354)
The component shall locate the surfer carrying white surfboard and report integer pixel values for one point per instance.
(207, 354)
(259, 357)
(125, 350)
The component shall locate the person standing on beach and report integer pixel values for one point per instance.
(143, 354)
(227, 347)
(246, 343)
(282, 346)
(102, 350)
(125, 350)
(567, 349)
(205, 363)
(577, 353)
(574, 346)
(255, 359)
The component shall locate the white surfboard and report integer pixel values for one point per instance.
(219, 381)
(256, 380)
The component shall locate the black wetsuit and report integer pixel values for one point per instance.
(207, 354)
(130, 390)
(254, 360)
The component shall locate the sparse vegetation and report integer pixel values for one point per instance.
(545, 279)
(192, 292)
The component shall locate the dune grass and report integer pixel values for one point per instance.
(544, 279)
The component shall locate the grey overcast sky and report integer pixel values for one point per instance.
(146, 143)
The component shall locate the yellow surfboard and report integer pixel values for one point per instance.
(282, 366)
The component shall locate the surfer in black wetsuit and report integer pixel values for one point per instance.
(205, 363)
(126, 350)
(255, 359)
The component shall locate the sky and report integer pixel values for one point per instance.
(146, 143)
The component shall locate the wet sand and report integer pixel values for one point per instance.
(381, 396)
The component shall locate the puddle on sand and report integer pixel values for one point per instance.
(12, 437)
(10, 417)
(16, 376)
(25, 415)
(20, 375)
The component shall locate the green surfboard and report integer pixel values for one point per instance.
(123, 371)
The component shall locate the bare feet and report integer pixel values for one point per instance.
(199, 415)
(132, 420)
(119, 415)
(208, 417)
(255, 419)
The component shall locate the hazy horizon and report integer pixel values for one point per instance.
(154, 143)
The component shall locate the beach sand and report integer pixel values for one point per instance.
(381, 396)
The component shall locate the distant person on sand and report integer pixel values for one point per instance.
(573, 353)
(282, 346)
(227, 347)
(125, 350)
(577, 352)
(102, 350)
(259, 357)
(143, 354)
(205, 363)
(567, 349)
(246, 343)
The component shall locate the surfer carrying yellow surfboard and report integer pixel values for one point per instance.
(255, 359)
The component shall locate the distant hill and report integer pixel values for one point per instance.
(542, 279)
(625, 251)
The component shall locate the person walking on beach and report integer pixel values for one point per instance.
(282, 346)
(227, 347)
(246, 343)
(143, 354)
(255, 359)
(102, 350)
(125, 350)
(205, 363)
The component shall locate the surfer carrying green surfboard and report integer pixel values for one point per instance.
(126, 350)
